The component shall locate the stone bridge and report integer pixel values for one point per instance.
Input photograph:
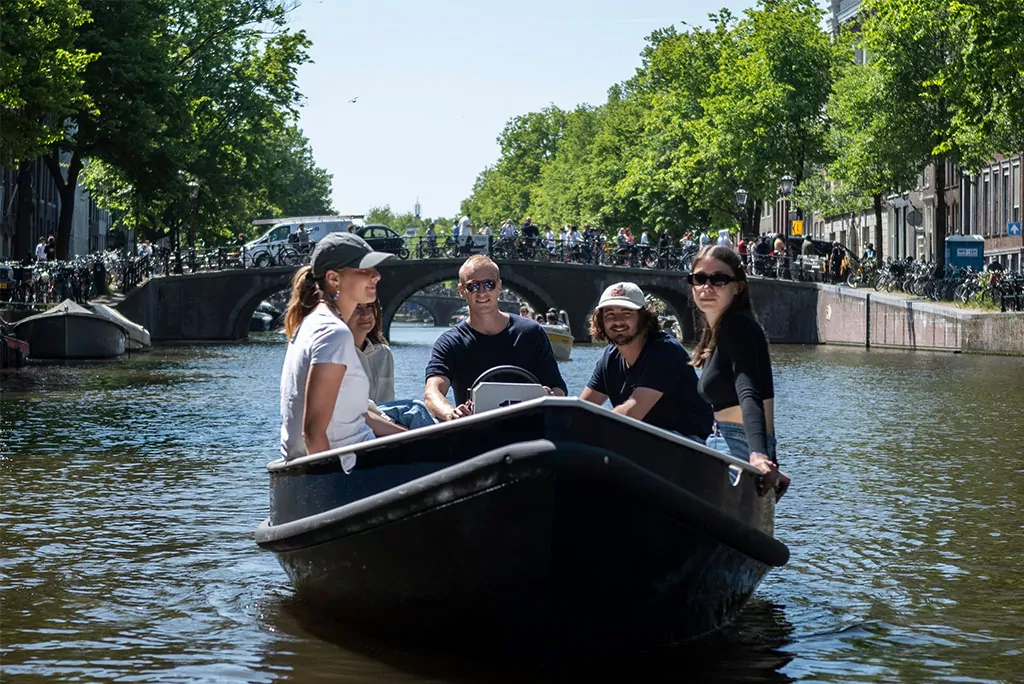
(217, 305)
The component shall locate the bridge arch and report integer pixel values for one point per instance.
(392, 295)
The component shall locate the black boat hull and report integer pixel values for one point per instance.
(547, 542)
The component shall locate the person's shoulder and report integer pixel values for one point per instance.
(667, 344)
(451, 336)
(741, 323)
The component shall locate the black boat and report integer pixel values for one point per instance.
(552, 522)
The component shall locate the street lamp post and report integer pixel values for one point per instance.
(741, 201)
(193, 194)
(786, 186)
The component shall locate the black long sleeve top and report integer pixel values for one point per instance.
(739, 373)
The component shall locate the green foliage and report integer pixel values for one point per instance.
(173, 93)
(739, 103)
(41, 74)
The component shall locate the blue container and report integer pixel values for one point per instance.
(966, 250)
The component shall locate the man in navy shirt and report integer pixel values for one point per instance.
(488, 338)
(644, 372)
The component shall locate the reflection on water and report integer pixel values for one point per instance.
(131, 490)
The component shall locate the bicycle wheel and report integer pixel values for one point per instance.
(263, 260)
(289, 257)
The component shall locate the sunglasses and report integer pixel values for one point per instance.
(474, 286)
(716, 279)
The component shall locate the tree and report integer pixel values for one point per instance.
(41, 84)
(918, 49)
(766, 110)
(200, 92)
(866, 137)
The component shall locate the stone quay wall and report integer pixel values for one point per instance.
(871, 319)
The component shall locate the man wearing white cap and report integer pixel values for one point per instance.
(645, 372)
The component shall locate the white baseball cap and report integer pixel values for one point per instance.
(627, 295)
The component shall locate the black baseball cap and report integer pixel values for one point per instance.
(340, 250)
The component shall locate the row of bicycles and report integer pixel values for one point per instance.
(49, 282)
(964, 286)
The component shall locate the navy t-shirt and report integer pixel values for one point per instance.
(663, 365)
(461, 354)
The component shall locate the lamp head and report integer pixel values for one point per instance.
(786, 184)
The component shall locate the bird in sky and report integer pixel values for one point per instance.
(353, 99)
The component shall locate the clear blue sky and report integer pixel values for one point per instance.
(436, 82)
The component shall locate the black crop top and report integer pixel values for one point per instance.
(739, 373)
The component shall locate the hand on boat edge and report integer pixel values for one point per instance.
(771, 476)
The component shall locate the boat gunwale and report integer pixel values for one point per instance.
(279, 465)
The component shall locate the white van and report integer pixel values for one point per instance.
(279, 247)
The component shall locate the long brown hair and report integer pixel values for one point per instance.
(376, 334)
(741, 302)
(306, 295)
(647, 319)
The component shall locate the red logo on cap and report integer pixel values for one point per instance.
(618, 292)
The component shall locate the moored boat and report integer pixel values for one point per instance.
(138, 337)
(560, 338)
(551, 523)
(13, 352)
(70, 331)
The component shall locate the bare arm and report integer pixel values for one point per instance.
(640, 402)
(382, 427)
(593, 396)
(434, 397)
(322, 386)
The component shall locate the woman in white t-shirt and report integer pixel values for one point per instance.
(324, 388)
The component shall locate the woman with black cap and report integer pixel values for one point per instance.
(324, 388)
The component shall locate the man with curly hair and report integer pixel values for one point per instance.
(644, 371)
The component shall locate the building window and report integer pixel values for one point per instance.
(1015, 182)
(983, 206)
(1003, 210)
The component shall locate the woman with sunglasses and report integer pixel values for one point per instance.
(736, 377)
(324, 389)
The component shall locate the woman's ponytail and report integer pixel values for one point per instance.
(305, 297)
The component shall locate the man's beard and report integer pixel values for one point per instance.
(623, 338)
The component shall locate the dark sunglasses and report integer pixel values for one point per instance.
(716, 279)
(474, 286)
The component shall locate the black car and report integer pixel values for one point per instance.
(384, 239)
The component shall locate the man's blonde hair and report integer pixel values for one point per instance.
(476, 261)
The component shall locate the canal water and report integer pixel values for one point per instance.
(130, 492)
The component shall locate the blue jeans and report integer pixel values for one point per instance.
(731, 438)
(412, 413)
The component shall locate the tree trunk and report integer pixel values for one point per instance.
(878, 228)
(940, 214)
(66, 190)
(24, 245)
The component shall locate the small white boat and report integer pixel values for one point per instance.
(138, 336)
(561, 340)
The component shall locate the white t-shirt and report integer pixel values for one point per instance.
(41, 252)
(323, 338)
(464, 226)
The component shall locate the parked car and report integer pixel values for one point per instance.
(279, 246)
(384, 239)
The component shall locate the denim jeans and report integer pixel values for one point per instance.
(412, 413)
(731, 438)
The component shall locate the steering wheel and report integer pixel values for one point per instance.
(514, 370)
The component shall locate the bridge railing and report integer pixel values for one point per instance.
(112, 270)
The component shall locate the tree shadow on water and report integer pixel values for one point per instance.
(749, 651)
